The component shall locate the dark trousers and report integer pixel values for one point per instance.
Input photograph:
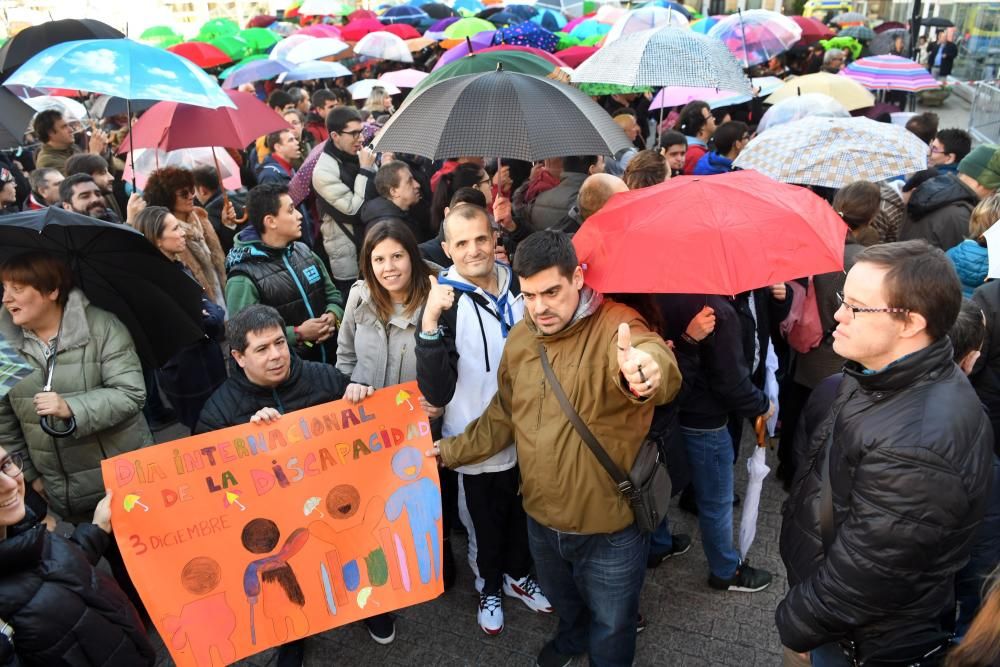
(114, 557)
(498, 535)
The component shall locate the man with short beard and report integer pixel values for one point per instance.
(97, 167)
(80, 193)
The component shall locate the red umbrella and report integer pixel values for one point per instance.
(575, 55)
(358, 28)
(813, 30)
(544, 55)
(261, 21)
(722, 234)
(202, 54)
(362, 14)
(170, 126)
(889, 25)
(403, 31)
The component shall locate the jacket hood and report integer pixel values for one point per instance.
(502, 300)
(380, 208)
(938, 192)
(906, 371)
(247, 244)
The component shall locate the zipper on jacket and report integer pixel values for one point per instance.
(399, 373)
(305, 299)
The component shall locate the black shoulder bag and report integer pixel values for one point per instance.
(647, 485)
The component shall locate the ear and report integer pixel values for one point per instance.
(67, 206)
(238, 356)
(444, 246)
(969, 361)
(914, 325)
(577, 280)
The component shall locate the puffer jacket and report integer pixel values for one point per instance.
(971, 263)
(64, 610)
(910, 468)
(939, 211)
(97, 372)
(551, 206)
(563, 485)
(985, 375)
(238, 399)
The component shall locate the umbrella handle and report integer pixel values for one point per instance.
(49, 429)
(760, 428)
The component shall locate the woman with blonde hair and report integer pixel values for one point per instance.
(970, 257)
(379, 102)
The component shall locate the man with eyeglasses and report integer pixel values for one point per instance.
(947, 149)
(897, 470)
(341, 180)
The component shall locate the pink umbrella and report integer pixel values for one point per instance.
(404, 78)
(575, 55)
(320, 30)
(675, 96)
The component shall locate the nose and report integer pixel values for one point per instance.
(843, 315)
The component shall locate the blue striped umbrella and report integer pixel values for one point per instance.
(890, 72)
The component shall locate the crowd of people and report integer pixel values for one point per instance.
(337, 271)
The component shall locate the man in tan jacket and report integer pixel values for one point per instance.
(589, 555)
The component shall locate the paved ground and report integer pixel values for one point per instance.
(689, 623)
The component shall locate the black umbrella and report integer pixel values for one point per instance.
(37, 38)
(15, 116)
(936, 22)
(501, 114)
(106, 106)
(119, 271)
(438, 10)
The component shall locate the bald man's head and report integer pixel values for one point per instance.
(596, 191)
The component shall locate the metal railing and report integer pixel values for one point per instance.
(984, 114)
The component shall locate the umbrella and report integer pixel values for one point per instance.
(601, 89)
(549, 19)
(68, 107)
(589, 29)
(119, 271)
(233, 46)
(538, 53)
(722, 234)
(285, 46)
(260, 40)
(885, 41)
(15, 116)
(936, 22)
(404, 14)
(106, 106)
(202, 54)
(385, 46)
(841, 88)
(314, 49)
(404, 78)
(832, 152)
(472, 44)
(889, 25)
(224, 74)
(757, 470)
(358, 28)
(147, 160)
(436, 30)
(362, 90)
(262, 21)
(403, 31)
(170, 126)
(644, 18)
(675, 96)
(314, 69)
(890, 73)
(992, 236)
(675, 6)
(574, 56)
(703, 25)
(756, 35)
(258, 70)
(215, 28)
(526, 12)
(609, 14)
(13, 367)
(577, 21)
(468, 5)
(862, 33)
(813, 29)
(501, 19)
(438, 10)
(30, 41)
(488, 12)
(419, 44)
(359, 14)
(847, 19)
(467, 28)
(802, 106)
(161, 36)
(325, 8)
(504, 115)
(480, 62)
(665, 57)
(319, 30)
(527, 34)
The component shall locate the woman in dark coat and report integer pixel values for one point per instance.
(56, 607)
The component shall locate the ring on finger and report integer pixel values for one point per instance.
(642, 376)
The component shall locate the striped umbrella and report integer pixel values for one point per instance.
(890, 72)
(849, 18)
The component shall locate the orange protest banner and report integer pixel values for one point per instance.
(252, 536)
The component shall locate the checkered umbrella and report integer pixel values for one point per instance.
(862, 33)
(501, 114)
(663, 57)
(890, 72)
(833, 152)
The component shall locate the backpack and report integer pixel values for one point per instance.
(803, 328)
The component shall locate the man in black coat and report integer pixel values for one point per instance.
(893, 484)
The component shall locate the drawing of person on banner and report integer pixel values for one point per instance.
(422, 501)
(272, 581)
(207, 622)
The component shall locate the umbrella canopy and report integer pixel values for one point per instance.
(703, 25)
(885, 42)
(233, 46)
(889, 25)
(501, 19)
(890, 73)
(261, 21)
(13, 367)
(473, 44)
(161, 36)
(512, 61)
(285, 46)
(525, 11)
(436, 29)
(362, 90)
(25, 44)
(722, 234)
(202, 54)
(802, 106)
(106, 106)
(676, 6)
(258, 70)
(169, 126)
(69, 108)
(577, 21)
(403, 78)
(319, 30)
(438, 10)
(665, 57)
(147, 160)
(224, 74)
(315, 49)
(359, 14)
(15, 116)
(527, 34)
(757, 470)
(756, 35)
(419, 44)
(847, 19)
(122, 68)
(936, 22)
(539, 53)
(862, 33)
(674, 96)
(501, 114)
(813, 29)
(404, 14)
(832, 152)
(644, 18)
(468, 5)
(260, 40)
(119, 271)
(385, 46)
(403, 31)
(574, 56)
(549, 19)
(314, 69)
(841, 88)
(215, 28)
(467, 28)
(589, 29)
(358, 28)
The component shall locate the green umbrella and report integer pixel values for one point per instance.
(235, 66)
(463, 28)
(611, 89)
(218, 28)
(566, 41)
(232, 46)
(593, 40)
(260, 39)
(513, 61)
(157, 32)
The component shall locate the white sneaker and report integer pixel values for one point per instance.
(490, 614)
(527, 591)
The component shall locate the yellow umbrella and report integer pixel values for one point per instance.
(851, 94)
(404, 396)
(131, 500)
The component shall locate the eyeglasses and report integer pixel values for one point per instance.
(857, 309)
(12, 466)
(933, 150)
(352, 133)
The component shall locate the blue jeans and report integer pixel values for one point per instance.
(661, 541)
(593, 583)
(829, 655)
(710, 455)
(983, 559)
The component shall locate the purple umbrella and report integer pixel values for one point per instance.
(257, 70)
(478, 41)
(436, 31)
(527, 34)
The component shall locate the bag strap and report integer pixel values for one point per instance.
(826, 492)
(624, 484)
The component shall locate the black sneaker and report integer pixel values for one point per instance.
(681, 543)
(292, 654)
(640, 624)
(746, 580)
(382, 628)
(550, 657)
